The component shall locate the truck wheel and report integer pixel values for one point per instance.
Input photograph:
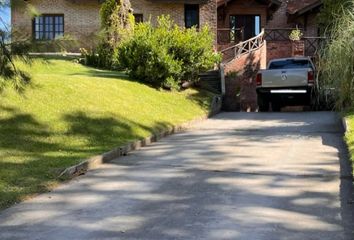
(276, 107)
(263, 103)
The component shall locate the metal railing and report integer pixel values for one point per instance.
(278, 34)
(242, 48)
(229, 35)
(313, 45)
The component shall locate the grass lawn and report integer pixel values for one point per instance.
(72, 112)
(349, 137)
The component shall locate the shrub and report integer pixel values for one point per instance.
(331, 10)
(167, 55)
(337, 60)
(295, 35)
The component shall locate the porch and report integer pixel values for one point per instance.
(241, 20)
(277, 39)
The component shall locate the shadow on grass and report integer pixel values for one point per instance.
(109, 130)
(98, 73)
(32, 155)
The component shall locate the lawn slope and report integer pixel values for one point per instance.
(349, 137)
(72, 112)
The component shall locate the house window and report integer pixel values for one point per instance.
(139, 18)
(191, 15)
(48, 27)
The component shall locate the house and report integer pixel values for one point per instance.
(248, 33)
(80, 19)
(239, 20)
(232, 21)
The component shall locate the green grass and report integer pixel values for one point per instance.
(349, 137)
(72, 112)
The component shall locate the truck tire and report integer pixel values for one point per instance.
(263, 103)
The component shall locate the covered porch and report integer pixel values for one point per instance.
(240, 20)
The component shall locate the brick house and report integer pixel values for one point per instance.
(80, 18)
(237, 24)
(231, 20)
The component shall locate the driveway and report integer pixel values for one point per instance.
(236, 176)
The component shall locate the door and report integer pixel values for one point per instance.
(250, 25)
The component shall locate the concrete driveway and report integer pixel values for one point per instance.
(237, 176)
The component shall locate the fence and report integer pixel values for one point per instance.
(229, 35)
(243, 48)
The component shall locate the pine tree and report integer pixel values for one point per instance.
(9, 73)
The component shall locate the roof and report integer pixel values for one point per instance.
(302, 6)
(276, 2)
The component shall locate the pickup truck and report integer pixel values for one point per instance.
(286, 82)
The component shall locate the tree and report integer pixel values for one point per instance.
(117, 20)
(9, 50)
(117, 25)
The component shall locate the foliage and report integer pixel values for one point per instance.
(9, 73)
(295, 35)
(331, 12)
(337, 60)
(73, 112)
(166, 55)
(349, 136)
(117, 24)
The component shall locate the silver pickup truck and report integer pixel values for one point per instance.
(286, 82)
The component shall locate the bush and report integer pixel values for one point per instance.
(337, 60)
(167, 55)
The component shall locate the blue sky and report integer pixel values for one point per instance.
(5, 14)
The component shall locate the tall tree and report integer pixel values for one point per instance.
(117, 20)
(117, 24)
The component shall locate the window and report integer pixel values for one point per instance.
(139, 18)
(191, 15)
(290, 63)
(48, 27)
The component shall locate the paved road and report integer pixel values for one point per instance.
(237, 176)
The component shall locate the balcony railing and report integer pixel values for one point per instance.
(242, 48)
(229, 35)
(313, 45)
(278, 34)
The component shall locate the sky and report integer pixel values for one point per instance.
(5, 15)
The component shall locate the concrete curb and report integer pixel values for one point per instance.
(345, 124)
(94, 162)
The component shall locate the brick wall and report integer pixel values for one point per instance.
(278, 49)
(279, 18)
(82, 20)
(150, 11)
(240, 82)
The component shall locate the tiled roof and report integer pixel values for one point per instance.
(302, 6)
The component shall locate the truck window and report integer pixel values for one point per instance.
(290, 63)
